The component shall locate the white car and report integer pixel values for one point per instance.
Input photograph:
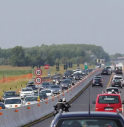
(47, 91)
(26, 92)
(30, 100)
(118, 77)
(13, 102)
(109, 67)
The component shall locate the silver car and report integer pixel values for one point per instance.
(55, 89)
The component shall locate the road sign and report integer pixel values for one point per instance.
(46, 66)
(38, 72)
(85, 66)
(38, 80)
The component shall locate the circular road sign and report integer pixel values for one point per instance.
(38, 80)
(38, 72)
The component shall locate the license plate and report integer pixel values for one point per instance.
(97, 84)
(108, 109)
(116, 85)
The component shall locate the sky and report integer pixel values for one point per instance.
(30, 23)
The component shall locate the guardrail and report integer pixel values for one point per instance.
(21, 116)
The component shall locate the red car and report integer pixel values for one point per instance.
(108, 103)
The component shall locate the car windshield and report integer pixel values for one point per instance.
(10, 94)
(118, 77)
(117, 80)
(97, 79)
(65, 81)
(13, 101)
(48, 91)
(66, 74)
(54, 86)
(110, 90)
(108, 100)
(44, 92)
(45, 83)
(28, 99)
(89, 122)
(25, 89)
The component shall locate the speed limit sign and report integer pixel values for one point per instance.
(38, 72)
(38, 80)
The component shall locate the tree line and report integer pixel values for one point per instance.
(39, 55)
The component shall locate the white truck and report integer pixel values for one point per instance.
(119, 68)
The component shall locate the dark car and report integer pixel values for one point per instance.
(9, 94)
(30, 83)
(77, 76)
(57, 80)
(70, 72)
(71, 80)
(84, 72)
(116, 83)
(33, 87)
(106, 71)
(97, 82)
(86, 119)
(65, 84)
(42, 95)
(2, 105)
(66, 75)
(45, 84)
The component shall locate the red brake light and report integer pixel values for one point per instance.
(96, 109)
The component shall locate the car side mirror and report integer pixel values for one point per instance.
(94, 102)
(122, 102)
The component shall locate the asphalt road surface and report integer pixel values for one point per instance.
(81, 103)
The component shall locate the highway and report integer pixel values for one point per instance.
(81, 103)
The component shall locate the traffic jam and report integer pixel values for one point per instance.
(108, 104)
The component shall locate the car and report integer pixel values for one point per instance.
(84, 72)
(31, 83)
(45, 84)
(71, 80)
(13, 102)
(77, 76)
(116, 83)
(118, 77)
(9, 94)
(70, 72)
(108, 103)
(26, 92)
(57, 80)
(109, 67)
(55, 89)
(47, 91)
(97, 82)
(118, 69)
(2, 105)
(98, 76)
(88, 119)
(65, 75)
(30, 100)
(106, 71)
(42, 95)
(33, 87)
(109, 90)
(65, 84)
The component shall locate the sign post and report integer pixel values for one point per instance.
(85, 65)
(38, 79)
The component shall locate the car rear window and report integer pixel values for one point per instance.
(110, 90)
(108, 99)
(89, 123)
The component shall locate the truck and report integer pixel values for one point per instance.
(119, 68)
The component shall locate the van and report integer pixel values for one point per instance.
(108, 103)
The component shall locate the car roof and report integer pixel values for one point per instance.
(86, 114)
(13, 98)
(27, 88)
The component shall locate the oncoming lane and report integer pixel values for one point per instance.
(81, 103)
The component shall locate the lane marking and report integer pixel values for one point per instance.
(110, 80)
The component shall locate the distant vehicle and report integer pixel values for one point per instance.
(70, 72)
(66, 75)
(116, 83)
(30, 100)
(77, 76)
(88, 119)
(57, 80)
(2, 105)
(42, 95)
(33, 87)
(97, 82)
(119, 68)
(45, 84)
(26, 92)
(13, 102)
(71, 80)
(55, 89)
(108, 103)
(47, 91)
(65, 84)
(9, 94)
(31, 83)
(106, 71)
(118, 77)
(109, 68)
(109, 90)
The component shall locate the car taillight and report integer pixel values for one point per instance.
(112, 82)
(93, 81)
(96, 109)
(120, 109)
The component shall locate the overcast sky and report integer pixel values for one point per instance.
(34, 22)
